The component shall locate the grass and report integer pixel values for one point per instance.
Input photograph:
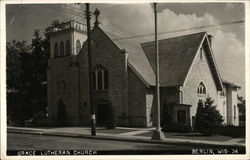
(114, 131)
(193, 136)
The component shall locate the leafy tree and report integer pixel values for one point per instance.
(208, 118)
(198, 123)
(15, 84)
(26, 77)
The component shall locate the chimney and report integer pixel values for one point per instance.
(210, 38)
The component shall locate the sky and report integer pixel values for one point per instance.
(131, 20)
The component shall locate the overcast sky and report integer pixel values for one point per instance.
(138, 19)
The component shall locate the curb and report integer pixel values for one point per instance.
(128, 139)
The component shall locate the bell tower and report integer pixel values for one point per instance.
(67, 39)
(63, 76)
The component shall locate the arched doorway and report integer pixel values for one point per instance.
(61, 113)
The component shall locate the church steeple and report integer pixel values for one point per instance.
(96, 13)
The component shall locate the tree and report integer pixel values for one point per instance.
(15, 80)
(26, 77)
(198, 120)
(208, 118)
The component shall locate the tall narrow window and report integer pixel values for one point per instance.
(61, 48)
(201, 89)
(56, 50)
(78, 46)
(67, 47)
(106, 79)
(100, 78)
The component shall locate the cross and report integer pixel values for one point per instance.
(96, 13)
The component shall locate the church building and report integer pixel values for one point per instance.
(124, 78)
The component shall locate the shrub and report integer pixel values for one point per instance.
(232, 131)
(110, 120)
(208, 118)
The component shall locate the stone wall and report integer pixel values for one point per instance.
(200, 72)
(107, 54)
(60, 70)
(138, 101)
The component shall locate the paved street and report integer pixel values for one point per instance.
(40, 142)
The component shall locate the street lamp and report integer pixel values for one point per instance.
(158, 134)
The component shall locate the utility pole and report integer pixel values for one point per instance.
(92, 107)
(158, 134)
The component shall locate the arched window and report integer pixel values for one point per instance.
(61, 48)
(78, 46)
(67, 47)
(56, 50)
(100, 78)
(201, 89)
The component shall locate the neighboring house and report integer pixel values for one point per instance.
(242, 111)
(228, 103)
(124, 78)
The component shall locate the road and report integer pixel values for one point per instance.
(17, 141)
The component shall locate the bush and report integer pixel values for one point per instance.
(208, 118)
(110, 121)
(174, 127)
(232, 131)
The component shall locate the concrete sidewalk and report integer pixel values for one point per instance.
(121, 134)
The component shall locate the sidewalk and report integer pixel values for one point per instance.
(132, 134)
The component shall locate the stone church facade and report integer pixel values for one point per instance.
(124, 78)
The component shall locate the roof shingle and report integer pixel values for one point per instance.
(175, 57)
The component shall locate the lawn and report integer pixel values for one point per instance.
(193, 136)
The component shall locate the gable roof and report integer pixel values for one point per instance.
(230, 83)
(137, 59)
(176, 56)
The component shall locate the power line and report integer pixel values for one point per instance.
(117, 28)
(125, 31)
(109, 23)
(131, 35)
(13, 18)
(187, 29)
(113, 25)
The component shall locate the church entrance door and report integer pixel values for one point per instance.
(101, 114)
(61, 113)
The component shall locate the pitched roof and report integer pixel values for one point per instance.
(136, 57)
(230, 83)
(175, 57)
